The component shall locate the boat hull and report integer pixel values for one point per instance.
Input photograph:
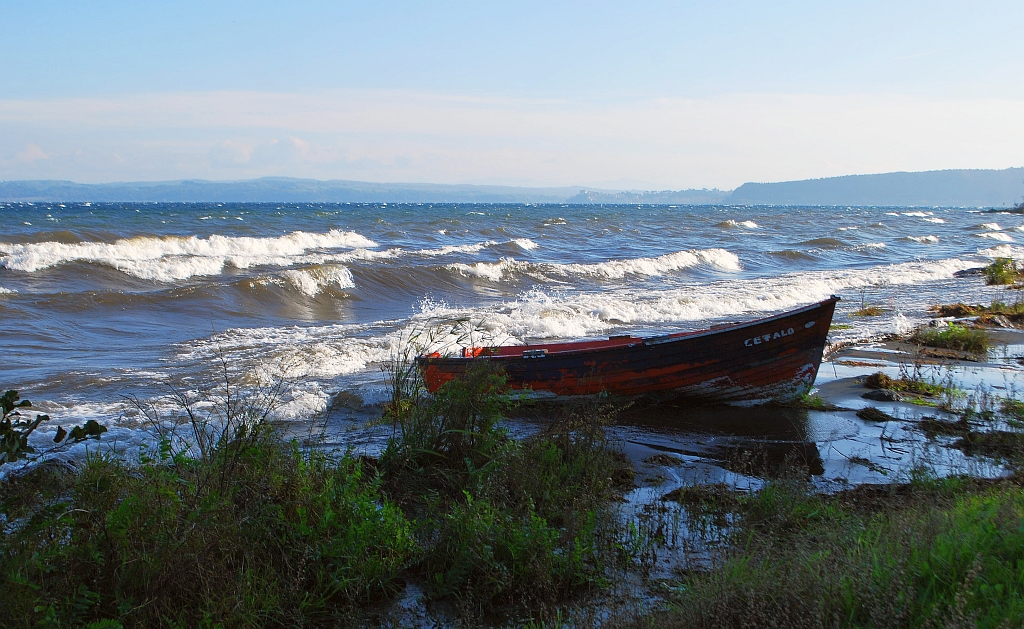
(770, 359)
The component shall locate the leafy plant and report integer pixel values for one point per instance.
(1002, 271)
(15, 430)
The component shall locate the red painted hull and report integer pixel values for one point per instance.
(770, 359)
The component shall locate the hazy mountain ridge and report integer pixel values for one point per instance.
(958, 188)
(684, 197)
(966, 188)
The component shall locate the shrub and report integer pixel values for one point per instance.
(502, 521)
(288, 538)
(1001, 271)
(956, 337)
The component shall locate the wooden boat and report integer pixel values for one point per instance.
(771, 359)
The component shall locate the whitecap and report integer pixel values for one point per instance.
(525, 243)
(617, 269)
(934, 219)
(924, 239)
(1004, 237)
(539, 315)
(918, 214)
(745, 224)
(1003, 251)
(174, 257)
(493, 271)
(611, 269)
(312, 281)
(990, 226)
(7, 291)
(450, 249)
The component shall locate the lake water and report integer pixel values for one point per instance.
(101, 301)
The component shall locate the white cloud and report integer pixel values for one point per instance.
(32, 153)
(388, 135)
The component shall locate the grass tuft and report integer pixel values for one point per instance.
(879, 380)
(868, 311)
(931, 555)
(955, 337)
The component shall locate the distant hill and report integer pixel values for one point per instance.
(966, 188)
(682, 197)
(969, 188)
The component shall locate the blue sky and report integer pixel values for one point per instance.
(651, 95)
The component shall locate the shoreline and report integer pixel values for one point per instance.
(686, 505)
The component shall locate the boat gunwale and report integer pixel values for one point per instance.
(635, 341)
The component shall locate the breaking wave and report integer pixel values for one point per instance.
(1001, 236)
(312, 281)
(612, 269)
(176, 258)
(746, 224)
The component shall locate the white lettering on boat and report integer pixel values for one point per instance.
(764, 338)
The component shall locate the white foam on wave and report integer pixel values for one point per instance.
(617, 269)
(990, 226)
(494, 271)
(924, 239)
(173, 258)
(746, 224)
(1003, 251)
(315, 357)
(1001, 236)
(7, 291)
(540, 315)
(918, 214)
(123, 434)
(312, 281)
(611, 269)
(395, 252)
(300, 353)
(450, 249)
(934, 219)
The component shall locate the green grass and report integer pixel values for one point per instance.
(868, 311)
(258, 534)
(252, 531)
(879, 380)
(812, 402)
(940, 554)
(955, 337)
(502, 521)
